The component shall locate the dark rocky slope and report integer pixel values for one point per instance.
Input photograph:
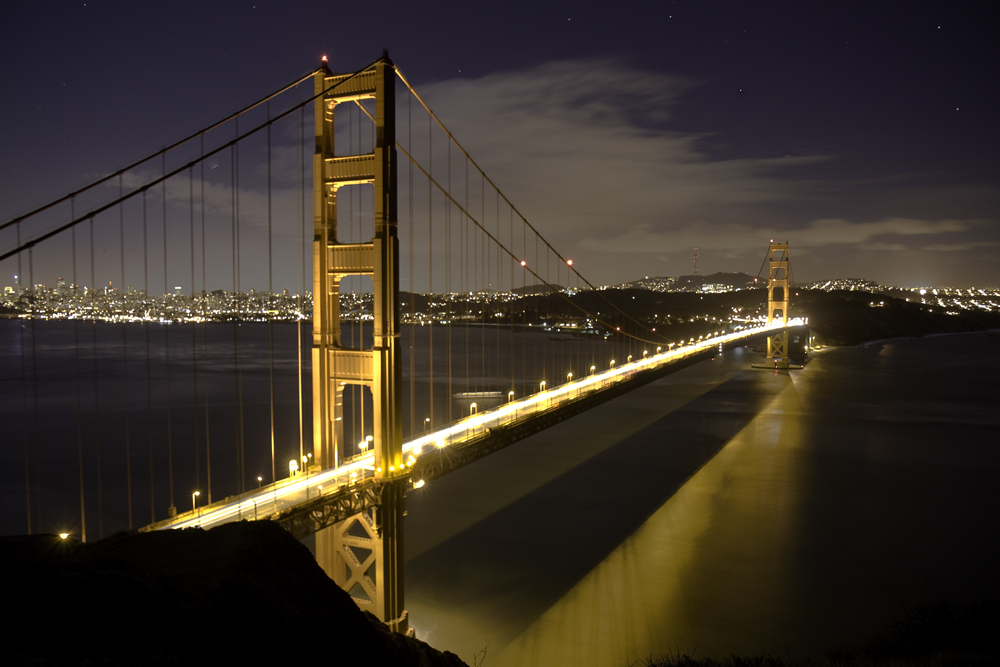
(243, 593)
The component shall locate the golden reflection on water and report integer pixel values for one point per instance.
(719, 584)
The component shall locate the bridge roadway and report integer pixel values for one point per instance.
(312, 500)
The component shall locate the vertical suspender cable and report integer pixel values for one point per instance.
(128, 435)
(300, 263)
(149, 378)
(194, 340)
(97, 403)
(270, 290)
(34, 391)
(24, 395)
(484, 284)
(465, 231)
(430, 262)
(166, 350)
(413, 288)
(241, 485)
(356, 390)
(356, 282)
(448, 292)
(76, 374)
(204, 327)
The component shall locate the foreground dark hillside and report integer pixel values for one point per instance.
(242, 593)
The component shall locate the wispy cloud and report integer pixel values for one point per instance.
(586, 150)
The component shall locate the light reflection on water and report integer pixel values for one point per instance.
(652, 595)
(858, 486)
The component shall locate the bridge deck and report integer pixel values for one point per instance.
(314, 499)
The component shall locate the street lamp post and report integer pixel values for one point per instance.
(194, 499)
(472, 409)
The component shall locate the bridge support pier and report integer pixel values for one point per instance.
(363, 554)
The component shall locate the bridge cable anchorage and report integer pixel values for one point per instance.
(431, 113)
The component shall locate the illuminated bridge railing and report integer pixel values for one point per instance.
(308, 486)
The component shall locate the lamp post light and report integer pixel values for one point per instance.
(629, 359)
(194, 500)
(259, 480)
(592, 369)
(472, 409)
(427, 421)
(644, 353)
(569, 377)
(293, 467)
(510, 396)
(541, 386)
(612, 364)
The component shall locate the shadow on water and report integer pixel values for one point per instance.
(530, 553)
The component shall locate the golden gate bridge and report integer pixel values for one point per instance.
(423, 381)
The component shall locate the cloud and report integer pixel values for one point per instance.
(583, 145)
(588, 150)
(959, 247)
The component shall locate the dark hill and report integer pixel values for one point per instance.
(243, 593)
(853, 317)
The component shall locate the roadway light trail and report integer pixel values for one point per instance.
(286, 494)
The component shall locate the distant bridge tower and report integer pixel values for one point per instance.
(364, 554)
(694, 261)
(777, 303)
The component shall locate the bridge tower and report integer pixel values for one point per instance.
(363, 554)
(777, 303)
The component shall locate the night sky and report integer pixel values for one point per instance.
(866, 136)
